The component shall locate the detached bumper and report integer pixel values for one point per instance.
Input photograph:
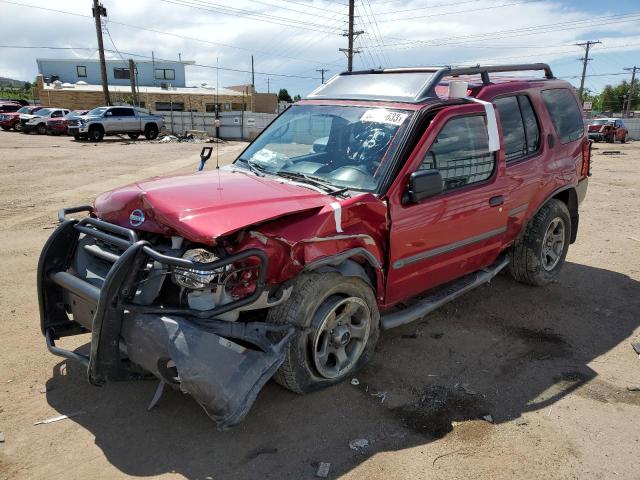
(189, 349)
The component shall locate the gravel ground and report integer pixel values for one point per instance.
(551, 369)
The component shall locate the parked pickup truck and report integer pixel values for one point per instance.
(103, 121)
(377, 199)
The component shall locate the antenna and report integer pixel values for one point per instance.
(217, 120)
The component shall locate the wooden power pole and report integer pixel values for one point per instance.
(322, 72)
(351, 35)
(132, 78)
(584, 60)
(631, 88)
(98, 12)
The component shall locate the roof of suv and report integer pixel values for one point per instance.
(416, 85)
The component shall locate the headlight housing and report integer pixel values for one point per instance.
(198, 279)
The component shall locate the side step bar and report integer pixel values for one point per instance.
(442, 296)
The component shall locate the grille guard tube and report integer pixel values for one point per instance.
(116, 292)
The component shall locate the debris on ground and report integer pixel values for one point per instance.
(323, 470)
(1, 437)
(380, 395)
(612, 152)
(520, 421)
(355, 381)
(45, 389)
(634, 239)
(188, 138)
(633, 388)
(466, 388)
(57, 418)
(358, 444)
(487, 418)
(636, 347)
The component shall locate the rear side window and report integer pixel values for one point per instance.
(565, 114)
(461, 153)
(519, 127)
(122, 112)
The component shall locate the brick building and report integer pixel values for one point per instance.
(82, 96)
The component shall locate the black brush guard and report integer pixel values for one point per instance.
(114, 298)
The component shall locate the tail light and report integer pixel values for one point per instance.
(586, 159)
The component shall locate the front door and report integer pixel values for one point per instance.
(459, 230)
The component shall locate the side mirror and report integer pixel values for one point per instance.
(424, 184)
(205, 154)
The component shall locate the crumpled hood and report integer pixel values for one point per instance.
(29, 116)
(204, 206)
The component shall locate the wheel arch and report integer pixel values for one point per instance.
(569, 197)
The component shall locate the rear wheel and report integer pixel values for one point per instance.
(96, 133)
(340, 327)
(539, 255)
(17, 127)
(624, 138)
(151, 132)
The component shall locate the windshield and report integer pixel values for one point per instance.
(43, 112)
(602, 121)
(346, 147)
(96, 112)
(25, 110)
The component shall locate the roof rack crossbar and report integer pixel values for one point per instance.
(429, 90)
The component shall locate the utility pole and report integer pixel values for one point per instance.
(132, 78)
(98, 12)
(631, 88)
(253, 75)
(351, 35)
(268, 85)
(584, 61)
(322, 72)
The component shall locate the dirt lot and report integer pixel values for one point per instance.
(552, 366)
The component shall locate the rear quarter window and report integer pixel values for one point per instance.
(565, 113)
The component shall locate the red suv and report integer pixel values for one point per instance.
(380, 197)
(9, 120)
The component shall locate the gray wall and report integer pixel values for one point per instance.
(67, 72)
(633, 124)
(233, 125)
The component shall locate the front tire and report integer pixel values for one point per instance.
(624, 139)
(96, 134)
(340, 328)
(41, 129)
(538, 256)
(151, 132)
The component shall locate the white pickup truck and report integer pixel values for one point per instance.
(103, 121)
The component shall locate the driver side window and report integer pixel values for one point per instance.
(461, 153)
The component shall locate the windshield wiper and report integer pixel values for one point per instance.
(312, 180)
(261, 172)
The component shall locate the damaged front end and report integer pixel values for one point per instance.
(184, 315)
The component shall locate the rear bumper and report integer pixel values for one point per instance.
(223, 376)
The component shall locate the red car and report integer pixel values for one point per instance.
(608, 129)
(58, 126)
(377, 199)
(9, 120)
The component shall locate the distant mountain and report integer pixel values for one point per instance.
(4, 81)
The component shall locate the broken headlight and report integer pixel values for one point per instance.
(198, 279)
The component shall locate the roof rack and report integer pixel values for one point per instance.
(427, 90)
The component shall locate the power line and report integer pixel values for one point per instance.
(161, 32)
(631, 88)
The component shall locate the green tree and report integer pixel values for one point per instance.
(283, 96)
(27, 86)
(612, 98)
(297, 98)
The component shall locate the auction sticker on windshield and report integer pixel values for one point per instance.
(381, 115)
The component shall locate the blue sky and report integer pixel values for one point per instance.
(291, 39)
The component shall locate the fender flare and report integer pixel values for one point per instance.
(342, 262)
(572, 205)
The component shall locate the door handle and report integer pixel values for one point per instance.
(497, 200)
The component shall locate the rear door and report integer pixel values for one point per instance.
(459, 230)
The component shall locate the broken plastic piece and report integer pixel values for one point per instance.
(358, 444)
(223, 376)
(323, 470)
(355, 381)
(157, 395)
(636, 347)
(488, 418)
(57, 418)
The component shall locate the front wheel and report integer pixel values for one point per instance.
(41, 129)
(624, 138)
(96, 134)
(151, 132)
(539, 255)
(340, 327)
